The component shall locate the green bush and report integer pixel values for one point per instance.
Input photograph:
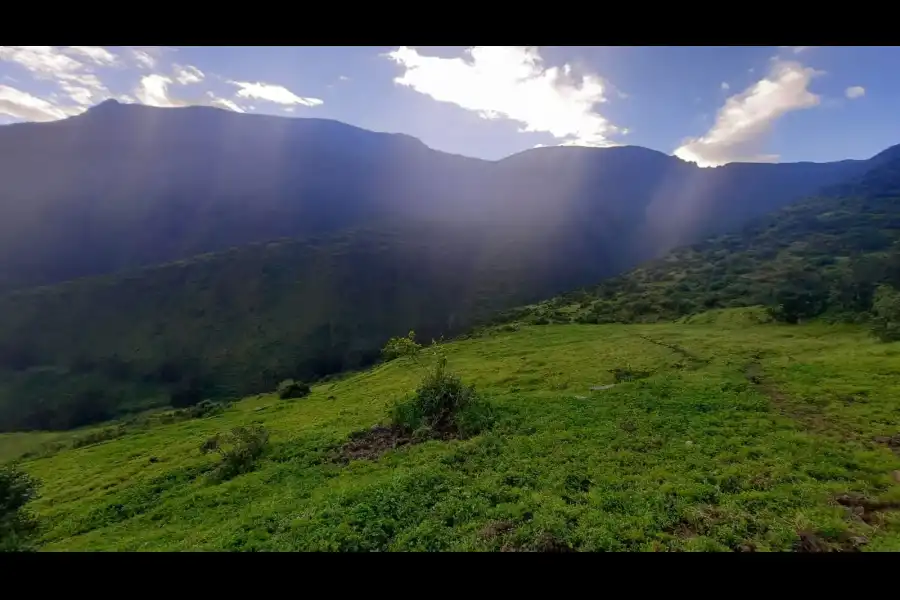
(289, 389)
(240, 449)
(886, 309)
(206, 408)
(99, 435)
(17, 524)
(443, 405)
(398, 347)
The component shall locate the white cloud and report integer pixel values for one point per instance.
(725, 86)
(79, 95)
(153, 90)
(143, 58)
(97, 54)
(272, 93)
(41, 60)
(857, 91)
(187, 74)
(742, 123)
(83, 88)
(22, 105)
(224, 103)
(511, 82)
(54, 63)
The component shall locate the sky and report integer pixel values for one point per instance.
(710, 104)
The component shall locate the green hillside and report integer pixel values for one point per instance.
(822, 257)
(723, 434)
(229, 324)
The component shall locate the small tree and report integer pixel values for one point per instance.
(443, 404)
(240, 449)
(398, 347)
(17, 524)
(886, 309)
(290, 389)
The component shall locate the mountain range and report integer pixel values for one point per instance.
(152, 255)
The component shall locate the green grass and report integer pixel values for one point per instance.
(693, 457)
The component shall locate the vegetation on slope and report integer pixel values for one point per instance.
(822, 257)
(720, 435)
(448, 241)
(17, 524)
(237, 323)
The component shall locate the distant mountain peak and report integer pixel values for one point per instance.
(106, 104)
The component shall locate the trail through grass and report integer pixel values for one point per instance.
(730, 437)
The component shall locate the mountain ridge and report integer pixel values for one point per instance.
(822, 257)
(122, 186)
(205, 259)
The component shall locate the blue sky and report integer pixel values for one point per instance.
(710, 105)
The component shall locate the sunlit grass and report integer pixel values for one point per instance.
(692, 457)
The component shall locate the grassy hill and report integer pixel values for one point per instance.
(720, 434)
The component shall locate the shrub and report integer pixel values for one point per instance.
(886, 308)
(442, 405)
(206, 408)
(289, 389)
(240, 449)
(100, 435)
(17, 524)
(398, 347)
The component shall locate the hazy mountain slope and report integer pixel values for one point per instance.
(824, 255)
(123, 186)
(239, 321)
(126, 185)
(406, 237)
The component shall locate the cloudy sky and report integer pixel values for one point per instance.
(710, 105)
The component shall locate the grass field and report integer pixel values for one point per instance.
(722, 434)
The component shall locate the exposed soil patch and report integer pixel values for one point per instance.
(544, 543)
(809, 541)
(892, 442)
(866, 509)
(702, 523)
(370, 444)
(496, 529)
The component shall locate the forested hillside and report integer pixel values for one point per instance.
(238, 322)
(325, 240)
(824, 256)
